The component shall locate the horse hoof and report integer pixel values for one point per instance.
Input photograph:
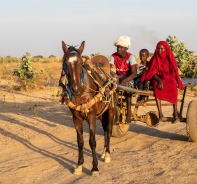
(107, 158)
(94, 173)
(103, 155)
(78, 170)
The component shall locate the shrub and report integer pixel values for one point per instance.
(26, 73)
(38, 56)
(52, 56)
(187, 62)
(9, 59)
(95, 54)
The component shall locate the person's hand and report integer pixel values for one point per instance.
(123, 83)
(160, 85)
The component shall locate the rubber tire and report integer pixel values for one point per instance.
(119, 129)
(191, 121)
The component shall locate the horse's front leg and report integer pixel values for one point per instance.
(80, 142)
(92, 143)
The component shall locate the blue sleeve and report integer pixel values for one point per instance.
(132, 60)
(111, 60)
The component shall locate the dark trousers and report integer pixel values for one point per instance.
(142, 86)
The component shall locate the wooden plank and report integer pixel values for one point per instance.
(133, 90)
(186, 82)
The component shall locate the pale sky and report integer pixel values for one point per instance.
(39, 26)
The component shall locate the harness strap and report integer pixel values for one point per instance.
(85, 108)
(89, 72)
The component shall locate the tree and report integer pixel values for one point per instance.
(52, 56)
(187, 62)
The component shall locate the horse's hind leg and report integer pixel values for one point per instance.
(92, 143)
(107, 121)
(80, 142)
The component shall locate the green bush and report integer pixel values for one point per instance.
(26, 73)
(187, 62)
(95, 54)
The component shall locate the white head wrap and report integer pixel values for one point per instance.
(124, 41)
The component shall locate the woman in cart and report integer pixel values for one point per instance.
(165, 78)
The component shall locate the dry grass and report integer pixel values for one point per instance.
(6, 70)
(51, 75)
(49, 78)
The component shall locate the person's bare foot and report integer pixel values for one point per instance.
(161, 118)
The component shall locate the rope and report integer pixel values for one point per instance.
(89, 87)
(89, 72)
(105, 108)
(85, 108)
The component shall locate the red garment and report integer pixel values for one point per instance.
(122, 67)
(165, 66)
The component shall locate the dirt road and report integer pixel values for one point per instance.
(38, 145)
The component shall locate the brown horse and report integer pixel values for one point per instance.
(85, 104)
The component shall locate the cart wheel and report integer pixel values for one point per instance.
(191, 121)
(119, 129)
(151, 118)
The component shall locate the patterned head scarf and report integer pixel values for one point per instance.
(124, 41)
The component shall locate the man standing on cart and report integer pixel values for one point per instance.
(126, 69)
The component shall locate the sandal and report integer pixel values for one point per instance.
(161, 120)
(176, 120)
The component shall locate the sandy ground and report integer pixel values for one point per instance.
(38, 145)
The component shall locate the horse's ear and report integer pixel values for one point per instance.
(80, 49)
(65, 49)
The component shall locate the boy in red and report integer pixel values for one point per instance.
(125, 65)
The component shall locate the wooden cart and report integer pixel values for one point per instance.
(120, 128)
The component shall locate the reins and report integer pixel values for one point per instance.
(89, 88)
(73, 51)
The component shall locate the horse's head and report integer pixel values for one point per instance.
(72, 62)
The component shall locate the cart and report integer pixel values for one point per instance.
(120, 128)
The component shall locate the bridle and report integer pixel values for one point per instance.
(72, 50)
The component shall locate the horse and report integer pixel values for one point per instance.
(87, 102)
